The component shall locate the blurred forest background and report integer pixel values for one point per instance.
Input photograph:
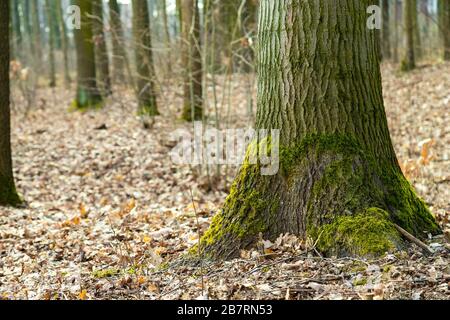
(92, 112)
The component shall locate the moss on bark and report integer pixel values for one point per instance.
(8, 193)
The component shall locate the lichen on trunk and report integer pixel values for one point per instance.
(339, 180)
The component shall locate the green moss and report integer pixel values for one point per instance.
(367, 233)
(148, 110)
(106, 273)
(360, 282)
(189, 115)
(86, 100)
(8, 193)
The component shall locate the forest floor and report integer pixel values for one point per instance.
(107, 212)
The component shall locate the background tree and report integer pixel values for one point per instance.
(101, 49)
(17, 40)
(339, 180)
(191, 61)
(409, 59)
(417, 36)
(35, 16)
(144, 59)
(64, 42)
(444, 27)
(8, 193)
(117, 42)
(87, 95)
(51, 44)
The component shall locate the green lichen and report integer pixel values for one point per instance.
(106, 273)
(148, 110)
(367, 233)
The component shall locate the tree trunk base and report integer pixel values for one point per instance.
(8, 193)
(329, 189)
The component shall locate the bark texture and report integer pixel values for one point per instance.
(88, 95)
(146, 78)
(386, 36)
(192, 61)
(8, 194)
(101, 50)
(339, 180)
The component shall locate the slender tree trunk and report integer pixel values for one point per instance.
(64, 42)
(167, 40)
(26, 21)
(51, 44)
(101, 50)
(144, 59)
(409, 58)
(88, 95)
(386, 32)
(36, 31)
(417, 37)
(17, 30)
(444, 27)
(117, 42)
(425, 12)
(397, 19)
(8, 193)
(192, 61)
(339, 180)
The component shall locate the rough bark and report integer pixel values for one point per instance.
(339, 182)
(191, 61)
(88, 95)
(409, 59)
(101, 50)
(51, 44)
(146, 82)
(8, 194)
(386, 37)
(117, 42)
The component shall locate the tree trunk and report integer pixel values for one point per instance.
(117, 42)
(64, 43)
(17, 30)
(101, 50)
(444, 27)
(192, 61)
(8, 194)
(36, 31)
(339, 181)
(385, 32)
(144, 59)
(167, 40)
(397, 18)
(409, 59)
(88, 95)
(51, 44)
(417, 37)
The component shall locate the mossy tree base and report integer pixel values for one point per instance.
(87, 99)
(8, 193)
(148, 110)
(328, 188)
(192, 113)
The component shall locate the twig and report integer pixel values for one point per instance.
(413, 239)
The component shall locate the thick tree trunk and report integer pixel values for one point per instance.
(386, 38)
(51, 45)
(64, 43)
(192, 61)
(8, 194)
(101, 50)
(339, 180)
(88, 95)
(117, 42)
(409, 59)
(146, 81)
